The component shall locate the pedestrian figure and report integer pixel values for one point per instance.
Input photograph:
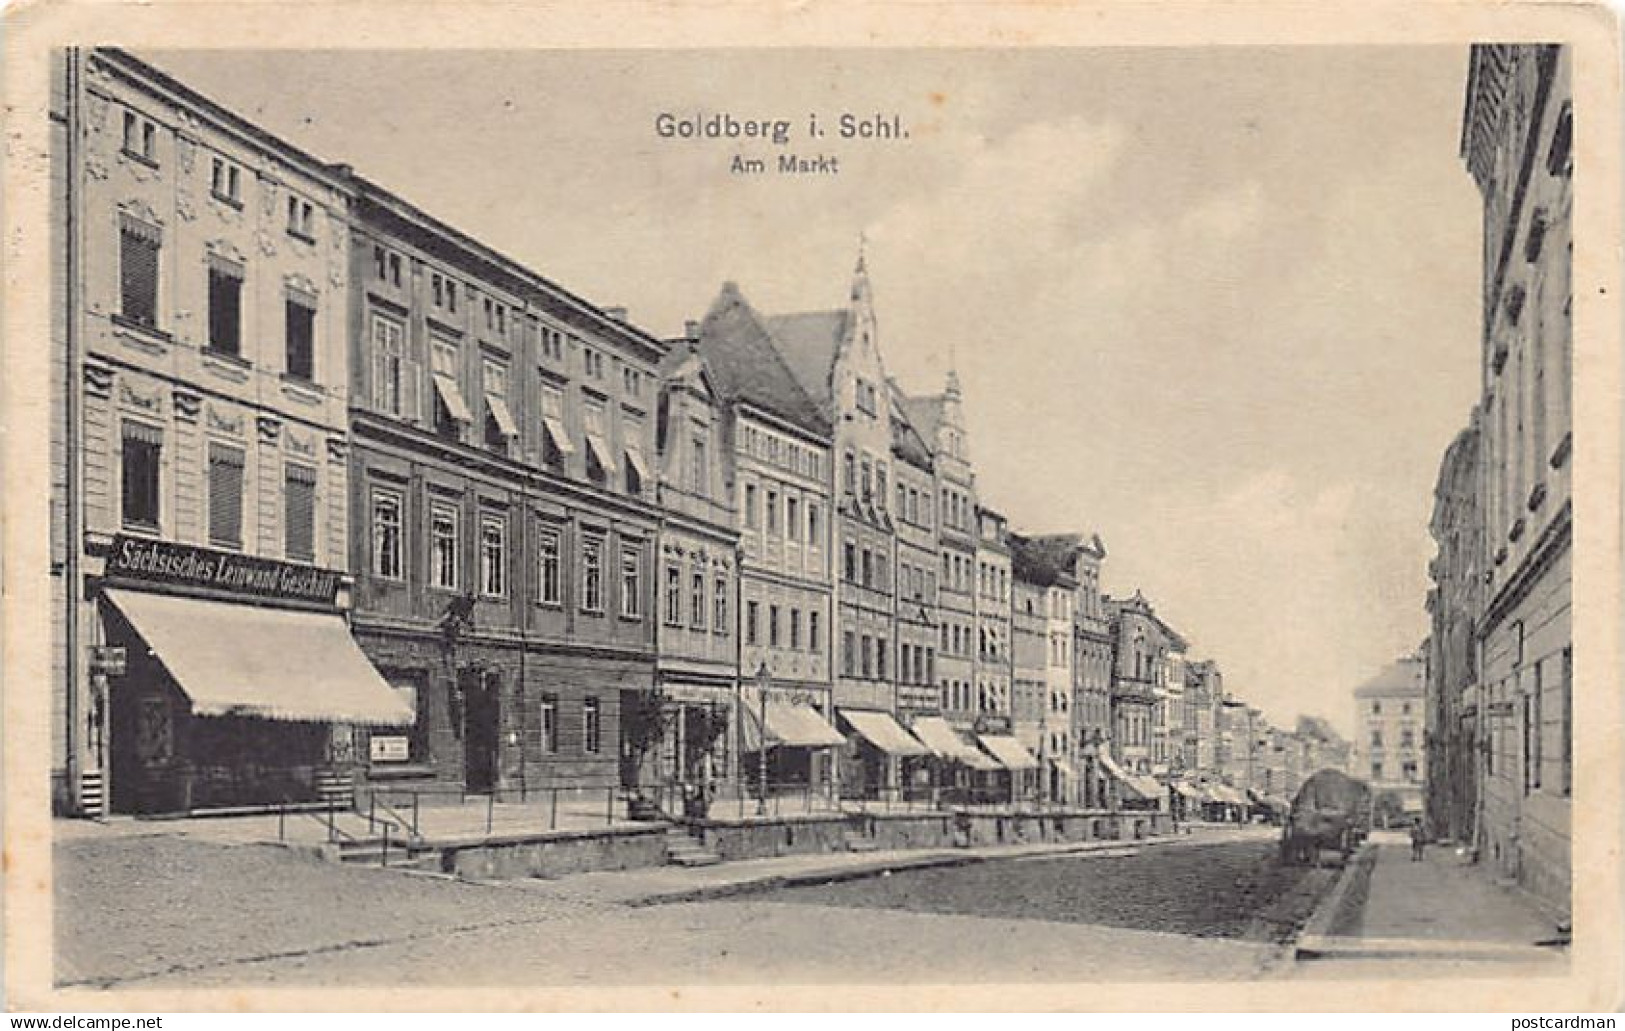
(1418, 840)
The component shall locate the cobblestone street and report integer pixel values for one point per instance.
(162, 909)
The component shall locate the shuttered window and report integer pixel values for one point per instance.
(225, 495)
(301, 331)
(299, 523)
(225, 306)
(141, 452)
(138, 271)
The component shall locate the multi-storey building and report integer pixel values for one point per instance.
(1029, 653)
(1046, 566)
(697, 664)
(914, 513)
(1168, 720)
(835, 357)
(775, 441)
(940, 418)
(199, 466)
(1517, 140)
(1204, 694)
(1389, 717)
(992, 668)
(504, 500)
(1142, 645)
(1454, 607)
(1091, 672)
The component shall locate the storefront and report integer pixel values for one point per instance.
(963, 773)
(877, 749)
(696, 744)
(798, 753)
(1020, 767)
(227, 681)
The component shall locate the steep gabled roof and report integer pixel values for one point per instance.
(746, 365)
(1046, 561)
(926, 415)
(807, 341)
(907, 440)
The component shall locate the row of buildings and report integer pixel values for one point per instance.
(343, 496)
(1500, 658)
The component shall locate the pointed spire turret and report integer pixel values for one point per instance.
(860, 272)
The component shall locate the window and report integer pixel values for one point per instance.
(1407, 737)
(138, 271)
(395, 269)
(772, 511)
(550, 723)
(795, 628)
(407, 689)
(750, 506)
(140, 138)
(225, 182)
(548, 575)
(493, 554)
(880, 485)
(225, 495)
(443, 545)
(592, 574)
(552, 344)
(868, 656)
(792, 522)
(674, 594)
(556, 441)
(299, 516)
(699, 465)
(848, 654)
(594, 362)
(868, 481)
(1376, 708)
(500, 427)
(389, 386)
(301, 221)
(813, 642)
(868, 568)
(632, 380)
(1531, 732)
(631, 581)
(386, 535)
(696, 597)
(814, 531)
(773, 626)
(225, 306)
(849, 562)
(445, 362)
(751, 611)
(1408, 771)
(299, 310)
(141, 453)
(719, 617)
(592, 725)
(851, 473)
(880, 657)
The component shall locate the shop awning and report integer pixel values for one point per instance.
(789, 723)
(278, 664)
(939, 736)
(601, 453)
(1009, 752)
(634, 458)
(556, 433)
(452, 398)
(880, 730)
(1226, 794)
(502, 416)
(1188, 790)
(1112, 768)
(1145, 787)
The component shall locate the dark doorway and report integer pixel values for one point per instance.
(480, 717)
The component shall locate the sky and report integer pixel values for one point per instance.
(1218, 305)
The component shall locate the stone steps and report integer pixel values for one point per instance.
(683, 850)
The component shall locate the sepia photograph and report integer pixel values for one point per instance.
(808, 515)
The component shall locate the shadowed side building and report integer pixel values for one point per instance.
(1453, 605)
(1517, 141)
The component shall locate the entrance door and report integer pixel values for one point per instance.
(480, 714)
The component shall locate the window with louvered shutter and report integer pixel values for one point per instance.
(301, 330)
(141, 453)
(299, 523)
(138, 272)
(225, 495)
(225, 306)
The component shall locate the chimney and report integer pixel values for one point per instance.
(691, 329)
(615, 312)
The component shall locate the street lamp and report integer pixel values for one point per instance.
(764, 678)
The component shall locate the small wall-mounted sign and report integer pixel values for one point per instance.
(389, 749)
(110, 660)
